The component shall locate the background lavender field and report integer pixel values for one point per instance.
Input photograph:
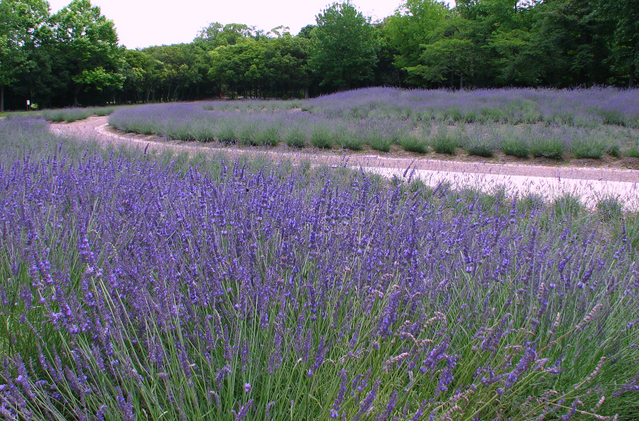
(589, 123)
(139, 287)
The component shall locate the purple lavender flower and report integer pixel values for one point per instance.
(340, 394)
(524, 364)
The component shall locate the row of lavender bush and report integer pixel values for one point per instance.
(577, 107)
(133, 290)
(338, 121)
(67, 115)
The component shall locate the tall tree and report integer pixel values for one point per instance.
(455, 53)
(89, 43)
(238, 68)
(625, 40)
(343, 47)
(409, 29)
(216, 35)
(23, 29)
(182, 69)
(572, 43)
(142, 76)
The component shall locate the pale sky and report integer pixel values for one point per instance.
(142, 23)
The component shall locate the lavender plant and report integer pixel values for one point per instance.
(378, 118)
(130, 290)
(70, 115)
(514, 106)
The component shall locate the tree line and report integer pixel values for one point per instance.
(73, 57)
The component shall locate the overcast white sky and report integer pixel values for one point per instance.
(142, 23)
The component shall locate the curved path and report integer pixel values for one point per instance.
(591, 184)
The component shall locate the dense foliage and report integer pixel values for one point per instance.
(132, 289)
(73, 56)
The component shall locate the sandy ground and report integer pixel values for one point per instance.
(590, 184)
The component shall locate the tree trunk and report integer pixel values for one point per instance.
(2, 99)
(461, 81)
(631, 81)
(76, 91)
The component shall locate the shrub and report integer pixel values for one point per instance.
(137, 290)
(480, 145)
(515, 147)
(443, 142)
(225, 132)
(633, 150)
(413, 143)
(381, 144)
(246, 133)
(295, 137)
(588, 148)
(551, 147)
(348, 140)
(321, 137)
(268, 134)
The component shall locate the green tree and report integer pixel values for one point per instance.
(624, 14)
(518, 59)
(142, 74)
(10, 58)
(574, 42)
(511, 42)
(89, 44)
(343, 50)
(216, 35)
(181, 71)
(237, 68)
(23, 29)
(409, 29)
(306, 31)
(285, 65)
(273, 65)
(455, 53)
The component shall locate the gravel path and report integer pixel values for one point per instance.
(591, 184)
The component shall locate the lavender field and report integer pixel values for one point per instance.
(144, 287)
(524, 123)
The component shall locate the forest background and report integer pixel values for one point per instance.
(73, 57)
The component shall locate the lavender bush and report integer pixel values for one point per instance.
(130, 290)
(579, 107)
(519, 122)
(68, 115)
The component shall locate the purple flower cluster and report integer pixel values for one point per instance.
(129, 287)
